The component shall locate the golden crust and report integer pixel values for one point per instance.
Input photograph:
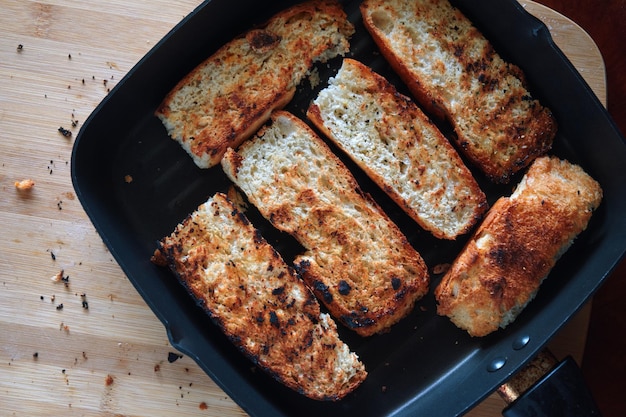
(357, 261)
(513, 250)
(258, 301)
(232, 93)
(455, 73)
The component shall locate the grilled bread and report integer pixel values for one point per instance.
(454, 72)
(357, 261)
(394, 142)
(259, 302)
(230, 95)
(513, 250)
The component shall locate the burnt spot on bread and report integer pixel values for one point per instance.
(259, 318)
(257, 238)
(355, 321)
(280, 216)
(396, 283)
(496, 287)
(499, 256)
(262, 41)
(400, 294)
(278, 291)
(274, 319)
(323, 289)
(344, 287)
(302, 267)
(244, 220)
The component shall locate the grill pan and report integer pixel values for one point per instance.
(424, 365)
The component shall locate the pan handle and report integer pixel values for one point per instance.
(547, 388)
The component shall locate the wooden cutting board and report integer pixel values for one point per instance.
(90, 346)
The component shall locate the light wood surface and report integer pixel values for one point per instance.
(111, 358)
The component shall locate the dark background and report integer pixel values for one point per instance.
(604, 361)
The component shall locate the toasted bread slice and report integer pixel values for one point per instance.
(393, 141)
(230, 95)
(259, 302)
(357, 261)
(455, 73)
(513, 250)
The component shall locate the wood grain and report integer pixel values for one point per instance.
(112, 357)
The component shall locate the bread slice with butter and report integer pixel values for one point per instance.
(259, 302)
(357, 261)
(395, 143)
(502, 266)
(226, 98)
(456, 74)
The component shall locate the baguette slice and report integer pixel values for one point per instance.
(454, 72)
(259, 302)
(394, 142)
(357, 262)
(513, 250)
(230, 95)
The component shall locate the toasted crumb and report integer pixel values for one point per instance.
(58, 276)
(128, 179)
(65, 132)
(173, 357)
(25, 185)
(441, 268)
(108, 381)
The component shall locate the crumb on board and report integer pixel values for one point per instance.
(173, 357)
(64, 327)
(108, 381)
(25, 185)
(203, 406)
(128, 178)
(58, 276)
(65, 132)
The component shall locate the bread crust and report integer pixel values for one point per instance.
(226, 98)
(259, 302)
(455, 73)
(513, 250)
(400, 149)
(357, 262)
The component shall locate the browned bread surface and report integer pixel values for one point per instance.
(455, 73)
(231, 94)
(513, 250)
(259, 302)
(356, 261)
(394, 142)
